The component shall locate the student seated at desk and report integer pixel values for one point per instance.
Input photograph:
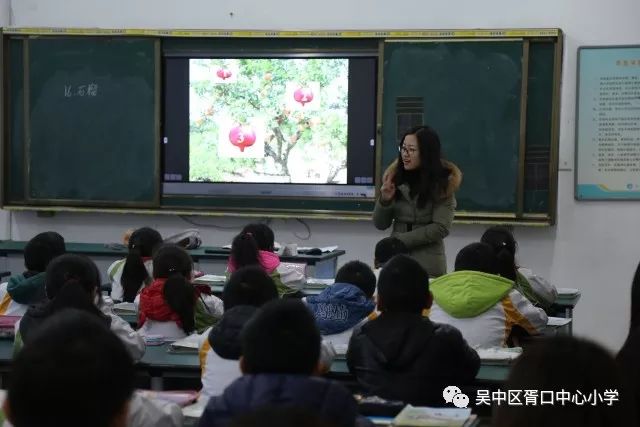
(74, 372)
(128, 276)
(73, 281)
(386, 249)
(169, 306)
(482, 305)
(585, 374)
(26, 289)
(247, 289)
(255, 246)
(402, 355)
(78, 373)
(536, 289)
(280, 350)
(346, 304)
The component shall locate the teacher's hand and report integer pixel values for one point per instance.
(388, 190)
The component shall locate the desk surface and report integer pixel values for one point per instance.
(487, 373)
(204, 252)
(158, 357)
(567, 300)
(6, 351)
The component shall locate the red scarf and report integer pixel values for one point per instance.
(153, 305)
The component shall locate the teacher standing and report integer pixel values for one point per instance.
(417, 198)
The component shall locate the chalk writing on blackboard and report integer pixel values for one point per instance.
(90, 89)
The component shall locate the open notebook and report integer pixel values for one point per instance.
(181, 398)
(125, 308)
(187, 345)
(414, 416)
(498, 355)
(210, 279)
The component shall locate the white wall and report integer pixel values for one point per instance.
(595, 246)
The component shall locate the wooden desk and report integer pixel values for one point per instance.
(157, 362)
(321, 266)
(564, 305)
(495, 374)
(6, 356)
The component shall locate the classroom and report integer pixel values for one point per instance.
(588, 245)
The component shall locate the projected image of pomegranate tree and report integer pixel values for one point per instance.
(268, 120)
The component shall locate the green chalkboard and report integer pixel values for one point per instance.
(82, 119)
(539, 130)
(92, 126)
(470, 93)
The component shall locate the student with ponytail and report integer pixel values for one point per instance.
(535, 288)
(255, 246)
(128, 276)
(73, 281)
(168, 306)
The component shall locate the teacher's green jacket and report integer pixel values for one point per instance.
(421, 229)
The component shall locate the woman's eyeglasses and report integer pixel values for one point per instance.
(408, 150)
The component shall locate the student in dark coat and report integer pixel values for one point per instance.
(629, 356)
(401, 355)
(280, 350)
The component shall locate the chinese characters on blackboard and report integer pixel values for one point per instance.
(90, 89)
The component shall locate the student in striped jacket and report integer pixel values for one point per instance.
(484, 306)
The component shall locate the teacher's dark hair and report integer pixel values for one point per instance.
(433, 176)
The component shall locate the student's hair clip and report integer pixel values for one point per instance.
(248, 234)
(172, 269)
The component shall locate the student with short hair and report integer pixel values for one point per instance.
(168, 306)
(247, 289)
(255, 246)
(26, 289)
(575, 367)
(535, 288)
(386, 249)
(73, 281)
(128, 276)
(484, 306)
(73, 372)
(346, 304)
(280, 350)
(402, 355)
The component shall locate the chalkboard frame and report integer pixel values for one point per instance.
(548, 218)
(155, 202)
(518, 215)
